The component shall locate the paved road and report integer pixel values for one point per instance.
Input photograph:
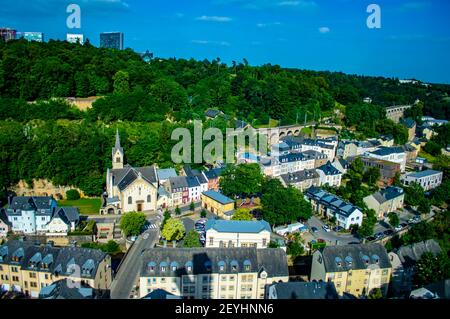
(128, 273)
(331, 237)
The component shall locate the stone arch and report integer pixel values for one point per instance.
(289, 133)
(296, 132)
(282, 134)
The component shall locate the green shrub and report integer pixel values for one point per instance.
(73, 194)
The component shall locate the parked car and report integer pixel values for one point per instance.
(388, 232)
(320, 240)
(370, 238)
(404, 225)
(417, 219)
(326, 228)
(338, 228)
(398, 228)
(379, 235)
(201, 221)
(314, 229)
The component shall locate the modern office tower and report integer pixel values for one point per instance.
(7, 34)
(31, 36)
(74, 38)
(111, 40)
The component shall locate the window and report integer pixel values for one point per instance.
(211, 241)
(163, 280)
(385, 272)
(32, 275)
(130, 200)
(149, 198)
(264, 243)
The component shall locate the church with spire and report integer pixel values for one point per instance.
(128, 188)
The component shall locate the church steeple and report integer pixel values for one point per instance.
(117, 153)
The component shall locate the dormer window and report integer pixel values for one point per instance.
(349, 261)
(151, 266)
(234, 265)
(247, 265)
(375, 259)
(174, 266)
(163, 266)
(338, 261)
(208, 265)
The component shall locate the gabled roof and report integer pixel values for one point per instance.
(32, 203)
(192, 181)
(384, 151)
(212, 113)
(61, 290)
(359, 256)
(127, 175)
(166, 173)
(238, 226)
(329, 169)
(388, 194)
(218, 197)
(178, 182)
(408, 122)
(299, 176)
(4, 217)
(334, 202)
(67, 214)
(410, 254)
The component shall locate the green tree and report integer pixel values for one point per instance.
(372, 175)
(192, 240)
(243, 179)
(177, 211)
(192, 206)
(203, 214)
(242, 214)
(375, 294)
(432, 268)
(414, 194)
(295, 249)
(72, 194)
(394, 220)
(368, 224)
(131, 223)
(173, 230)
(121, 82)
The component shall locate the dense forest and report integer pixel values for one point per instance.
(42, 136)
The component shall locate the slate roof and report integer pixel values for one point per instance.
(305, 290)
(32, 203)
(67, 214)
(428, 172)
(329, 169)
(59, 258)
(358, 256)
(166, 173)
(292, 157)
(388, 194)
(210, 260)
(410, 254)
(212, 113)
(125, 176)
(408, 122)
(117, 146)
(238, 226)
(334, 202)
(218, 197)
(300, 176)
(4, 218)
(314, 154)
(178, 182)
(192, 181)
(240, 124)
(384, 151)
(60, 290)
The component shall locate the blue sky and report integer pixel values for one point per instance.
(413, 42)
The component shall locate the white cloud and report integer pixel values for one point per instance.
(263, 25)
(297, 3)
(207, 42)
(214, 18)
(324, 30)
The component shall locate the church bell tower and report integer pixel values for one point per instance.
(117, 153)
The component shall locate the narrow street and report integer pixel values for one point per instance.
(128, 273)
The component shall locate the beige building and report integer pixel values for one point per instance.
(301, 180)
(237, 233)
(212, 273)
(354, 269)
(27, 268)
(218, 204)
(385, 201)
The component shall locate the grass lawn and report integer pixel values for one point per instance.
(272, 123)
(307, 130)
(86, 206)
(430, 158)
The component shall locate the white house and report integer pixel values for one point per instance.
(329, 205)
(391, 154)
(237, 233)
(65, 219)
(329, 175)
(29, 215)
(428, 179)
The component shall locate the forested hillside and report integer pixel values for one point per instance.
(50, 139)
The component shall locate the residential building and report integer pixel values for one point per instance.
(31, 36)
(213, 176)
(303, 290)
(388, 170)
(319, 158)
(212, 114)
(354, 269)
(160, 294)
(329, 205)
(165, 174)
(218, 204)
(29, 215)
(62, 289)
(200, 178)
(129, 189)
(411, 152)
(431, 121)
(385, 201)
(394, 154)
(329, 175)
(64, 220)
(287, 163)
(5, 224)
(367, 146)
(237, 233)
(301, 180)
(212, 273)
(347, 149)
(194, 187)
(27, 268)
(7, 34)
(75, 38)
(404, 260)
(341, 165)
(111, 40)
(178, 189)
(428, 179)
(411, 126)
